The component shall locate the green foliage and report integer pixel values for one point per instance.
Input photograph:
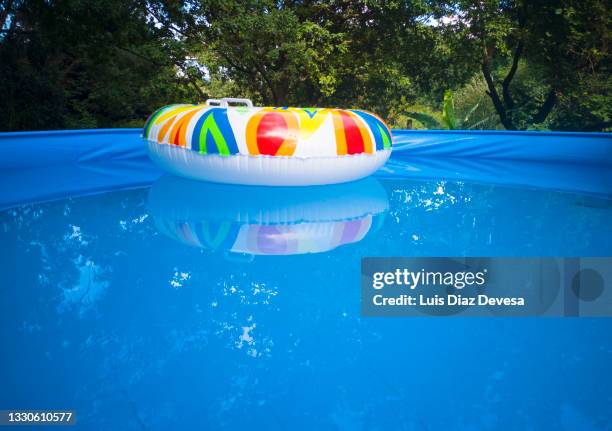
(587, 107)
(448, 111)
(474, 107)
(563, 44)
(423, 117)
(270, 52)
(542, 64)
(74, 64)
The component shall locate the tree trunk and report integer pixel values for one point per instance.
(497, 102)
(546, 107)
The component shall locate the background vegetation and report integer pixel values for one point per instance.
(488, 64)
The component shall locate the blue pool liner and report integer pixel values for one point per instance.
(38, 166)
(595, 180)
(547, 147)
(36, 149)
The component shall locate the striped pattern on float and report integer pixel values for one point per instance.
(286, 132)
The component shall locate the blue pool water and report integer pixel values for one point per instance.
(195, 306)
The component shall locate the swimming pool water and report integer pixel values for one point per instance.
(146, 309)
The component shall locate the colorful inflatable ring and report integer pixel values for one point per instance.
(252, 221)
(267, 146)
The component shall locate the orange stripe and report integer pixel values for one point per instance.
(287, 148)
(183, 137)
(180, 132)
(164, 129)
(178, 126)
(171, 120)
(180, 129)
(339, 132)
(172, 139)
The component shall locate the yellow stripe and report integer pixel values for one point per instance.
(173, 112)
(309, 125)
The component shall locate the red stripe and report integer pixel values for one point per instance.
(271, 133)
(354, 141)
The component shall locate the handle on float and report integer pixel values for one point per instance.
(224, 103)
(229, 100)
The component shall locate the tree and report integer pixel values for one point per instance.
(73, 64)
(271, 52)
(105, 63)
(562, 42)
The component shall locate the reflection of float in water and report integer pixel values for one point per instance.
(265, 221)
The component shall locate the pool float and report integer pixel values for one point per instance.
(252, 221)
(266, 146)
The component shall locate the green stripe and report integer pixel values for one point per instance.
(385, 136)
(210, 124)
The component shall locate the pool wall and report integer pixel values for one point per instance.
(40, 166)
(563, 147)
(47, 165)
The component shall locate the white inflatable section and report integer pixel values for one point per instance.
(318, 144)
(266, 170)
(238, 119)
